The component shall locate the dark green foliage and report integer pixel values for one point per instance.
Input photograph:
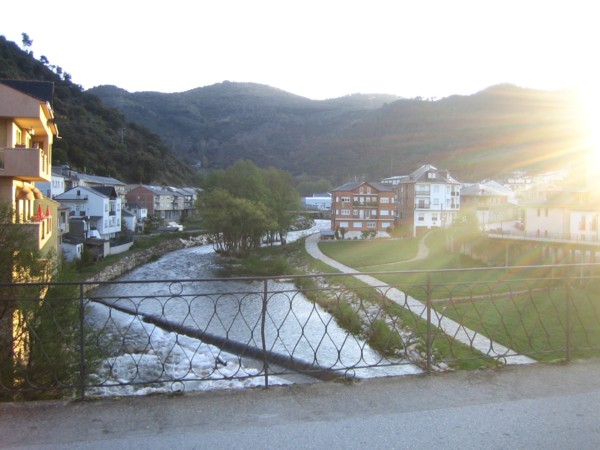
(383, 339)
(244, 205)
(39, 326)
(96, 138)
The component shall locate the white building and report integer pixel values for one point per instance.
(101, 206)
(427, 198)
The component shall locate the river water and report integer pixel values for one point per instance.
(141, 352)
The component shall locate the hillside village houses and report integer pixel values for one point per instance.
(47, 201)
(494, 205)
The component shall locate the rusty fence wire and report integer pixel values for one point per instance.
(76, 340)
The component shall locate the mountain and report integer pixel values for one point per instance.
(155, 137)
(484, 135)
(93, 137)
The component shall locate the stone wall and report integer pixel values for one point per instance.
(129, 262)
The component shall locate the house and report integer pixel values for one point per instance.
(493, 204)
(99, 206)
(73, 178)
(427, 198)
(359, 207)
(138, 210)
(27, 132)
(168, 203)
(562, 212)
(129, 220)
(53, 188)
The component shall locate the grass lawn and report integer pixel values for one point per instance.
(524, 309)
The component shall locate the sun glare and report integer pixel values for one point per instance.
(590, 100)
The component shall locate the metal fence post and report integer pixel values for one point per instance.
(263, 319)
(82, 367)
(568, 325)
(429, 338)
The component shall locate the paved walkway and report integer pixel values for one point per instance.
(530, 407)
(452, 328)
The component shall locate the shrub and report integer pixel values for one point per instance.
(383, 339)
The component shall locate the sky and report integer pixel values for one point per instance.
(316, 49)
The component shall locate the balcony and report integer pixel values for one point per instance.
(365, 204)
(29, 164)
(40, 229)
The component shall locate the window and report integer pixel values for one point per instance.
(384, 200)
(436, 188)
(421, 217)
(345, 212)
(355, 212)
(357, 225)
(430, 175)
(371, 225)
(385, 212)
(345, 199)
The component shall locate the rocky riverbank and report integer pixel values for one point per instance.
(137, 258)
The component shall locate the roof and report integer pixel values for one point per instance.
(107, 191)
(483, 189)
(42, 90)
(354, 185)
(98, 179)
(98, 190)
(419, 175)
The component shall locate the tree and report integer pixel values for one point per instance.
(281, 199)
(26, 42)
(236, 225)
(244, 204)
(38, 323)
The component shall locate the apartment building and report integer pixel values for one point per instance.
(427, 198)
(358, 207)
(27, 132)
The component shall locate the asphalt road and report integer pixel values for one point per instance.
(533, 406)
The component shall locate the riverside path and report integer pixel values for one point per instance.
(452, 328)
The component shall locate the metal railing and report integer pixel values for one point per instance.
(130, 337)
(570, 238)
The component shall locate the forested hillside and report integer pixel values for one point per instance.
(93, 137)
(484, 135)
(487, 134)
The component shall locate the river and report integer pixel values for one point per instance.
(142, 352)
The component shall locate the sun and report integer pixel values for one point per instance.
(589, 95)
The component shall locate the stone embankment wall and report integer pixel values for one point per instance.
(130, 262)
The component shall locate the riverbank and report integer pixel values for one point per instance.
(134, 258)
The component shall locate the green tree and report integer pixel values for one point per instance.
(244, 204)
(38, 324)
(26, 42)
(281, 198)
(236, 225)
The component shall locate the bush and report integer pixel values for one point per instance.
(346, 316)
(383, 339)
